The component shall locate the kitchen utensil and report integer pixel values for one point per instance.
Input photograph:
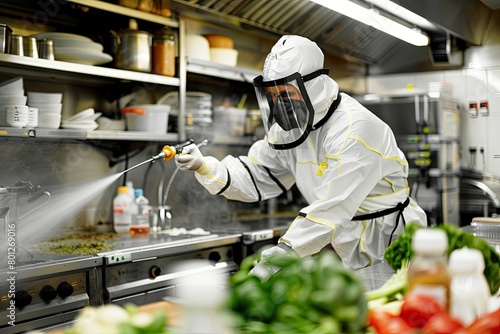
(17, 116)
(133, 49)
(46, 49)
(32, 117)
(149, 117)
(12, 86)
(30, 48)
(5, 37)
(42, 97)
(17, 45)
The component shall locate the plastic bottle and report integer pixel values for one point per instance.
(122, 215)
(140, 223)
(428, 273)
(470, 292)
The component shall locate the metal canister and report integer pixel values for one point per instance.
(5, 37)
(17, 45)
(29, 47)
(46, 49)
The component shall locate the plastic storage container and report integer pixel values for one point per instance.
(469, 289)
(122, 214)
(428, 273)
(140, 223)
(147, 118)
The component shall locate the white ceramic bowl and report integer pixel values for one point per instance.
(11, 86)
(47, 108)
(224, 56)
(111, 124)
(41, 97)
(15, 93)
(12, 99)
(49, 121)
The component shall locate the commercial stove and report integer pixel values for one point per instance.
(145, 269)
(47, 290)
(50, 287)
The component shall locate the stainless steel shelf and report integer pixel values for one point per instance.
(221, 71)
(102, 72)
(132, 135)
(84, 135)
(112, 8)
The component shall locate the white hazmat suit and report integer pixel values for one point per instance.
(349, 166)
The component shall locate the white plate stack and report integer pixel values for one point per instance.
(76, 48)
(198, 107)
(84, 120)
(49, 107)
(11, 93)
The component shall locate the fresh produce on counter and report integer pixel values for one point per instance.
(423, 315)
(400, 251)
(114, 319)
(319, 296)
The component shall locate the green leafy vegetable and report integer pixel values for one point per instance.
(305, 296)
(400, 250)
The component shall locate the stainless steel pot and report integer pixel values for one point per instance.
(133, 50)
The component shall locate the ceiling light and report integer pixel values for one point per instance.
(374, 19)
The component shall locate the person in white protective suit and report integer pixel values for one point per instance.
(343, 159)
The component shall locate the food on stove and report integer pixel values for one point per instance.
(114, 319)
(317, 296)
(400, 250)
(79, 244)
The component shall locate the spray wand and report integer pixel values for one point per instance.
(167, 153)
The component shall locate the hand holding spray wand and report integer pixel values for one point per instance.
(167, 153)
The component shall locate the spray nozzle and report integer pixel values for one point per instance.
(168, 152)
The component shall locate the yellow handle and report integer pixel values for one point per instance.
(169, 152)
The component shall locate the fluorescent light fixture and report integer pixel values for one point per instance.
(374, 19)
(403, 13)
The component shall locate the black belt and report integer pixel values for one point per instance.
(398, 208)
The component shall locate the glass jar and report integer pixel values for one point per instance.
(164, 53)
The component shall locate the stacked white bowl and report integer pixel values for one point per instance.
(11, 94)
(49, 107)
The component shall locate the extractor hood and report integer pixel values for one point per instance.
(456, 25)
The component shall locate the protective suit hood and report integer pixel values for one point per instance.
(293, 54)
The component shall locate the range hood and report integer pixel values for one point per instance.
(457, 24)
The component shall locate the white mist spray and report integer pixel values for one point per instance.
(65, 203)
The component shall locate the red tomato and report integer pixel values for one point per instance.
(486, 324)
(378, 319)
(386, 323)
(442, 323)
(397, 325)
(418, 309)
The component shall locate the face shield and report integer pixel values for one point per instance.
(287, 112)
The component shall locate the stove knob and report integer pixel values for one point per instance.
(214, 257)
(64, 289)
(22, 298)
(48, 293)
(154, 271)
